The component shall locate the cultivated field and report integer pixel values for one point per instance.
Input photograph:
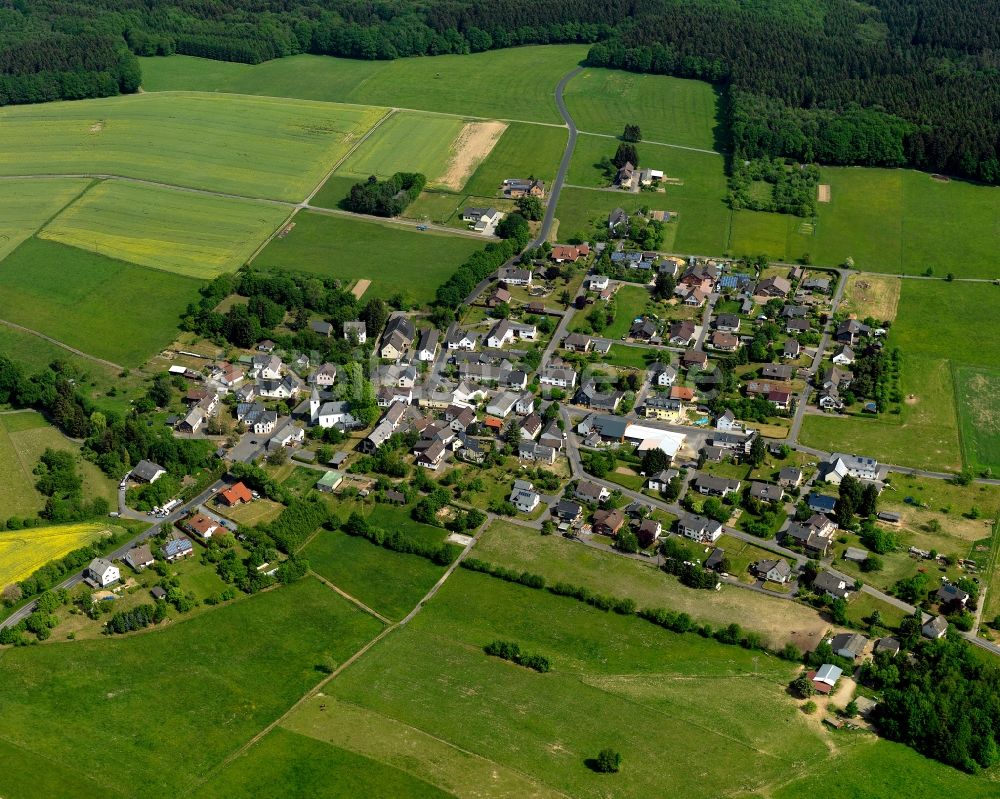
(22, 552)
(107, 308)
(868, 295)
(252, 146)
(24, 436)
(229, 673)
(25, 205)
(391, 256)
(669, 110)
(406, 142)
(522, 151)
(195, 235)
(517, 83)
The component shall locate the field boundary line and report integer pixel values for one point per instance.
(350, 151)
(364, 105)
(65, 346)
(658, 143)
(350, 598)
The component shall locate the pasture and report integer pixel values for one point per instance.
(510, 84)
(390, 583)
(194, 235)
(389, 255)
(25, 205)
(106, 308)
(406, 142)
(648, 688)
(22, 552)
(556, 559)
(668, 110)
(230, 672)
(24, 436)
(252, 146)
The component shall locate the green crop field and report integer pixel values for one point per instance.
(388, 582)
(130, 709)
(196, 235)
(523, 151)
(255, 146)
(389, 255)
(938, 328)
(888, 220)
(24, 436)
(669, 110)
(304, 766)
(106, 308)
(517, 83)
(26, 205)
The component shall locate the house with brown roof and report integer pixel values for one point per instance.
(774, 287)
(608, 522)
(201, 525)
(235, 495)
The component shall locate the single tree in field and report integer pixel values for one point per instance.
(632, 133)
(608, 761)
(626, 153)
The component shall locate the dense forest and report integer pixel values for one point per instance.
(889, 83)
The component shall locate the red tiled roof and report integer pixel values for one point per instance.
(236, 494)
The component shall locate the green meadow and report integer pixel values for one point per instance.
(26, 205)
(122, 713)
(516, 83)
(190, 234)
(522, 151)
(391, 256)
(405, 142)
(668, 110)
(942, 330)
(253, 146)
(104, 307)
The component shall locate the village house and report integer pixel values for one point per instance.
(789, 477)
(397, 337)
(514, 276)
(848, 645)
(355, 329)
(558, 376)
(856, 466)
(532, 451)
(694, 359)
(773, 571)
(850, 331)
(524, 497)
(715, 486)
(608, 522)
(774, 287)
(725, 342)
(598, 282)
(236, 494)
(569, 252)
(663, 375)
(578, 342)
(660, 481)
(844, 356)
(935, 628)
(791, 350)
(147, 472)
(618, 221)
(696, 297)
(663, 408)
(728, 323)
(681, 333)
(588, 491)
(515, 188)
(458, 339)
(482, 220)
(321, 328)
(428, 346)
(177, 548)
(648, 532)
(833, 586)
(815, 534)
(766, 491)
(498, 296)
(325, 376)
(201, 525)
(777, 371)
(103, 572)
(140, 557)
(699, 528)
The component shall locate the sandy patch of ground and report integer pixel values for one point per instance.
(871, 295)
(472, 145)
(912, 399)
(97, 127)
(823, 192)
(360, 288)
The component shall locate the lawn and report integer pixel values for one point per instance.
(177, 231)
(23, 439)
(304, 766)
(107, 308)
(631, 302)
(26, 205)
(391, 256)
(253, 146)
(436, 206)
(216, 679)
(523, 151)
(558, 559)
(515, 83)
(614, 681)
(669, 110)
(777, 235)
(391, 583)
(406, 142)
(22, 552)
(633, 357)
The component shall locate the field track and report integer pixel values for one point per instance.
(65, 346)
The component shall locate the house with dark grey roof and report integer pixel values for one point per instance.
(849, 645)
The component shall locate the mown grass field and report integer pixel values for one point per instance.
(195, 235)
(398, 260)
(25, 205)
(669, 110)
(436, 206)
(255, 146)
(22, 552)
(390, 583)
(978, 395)
(106, 308)
(406, 142)
(517, 83)
(558, 559)
(24, 436)
(128, 710)
(895, 221)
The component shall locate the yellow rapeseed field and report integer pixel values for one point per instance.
(24, 551)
